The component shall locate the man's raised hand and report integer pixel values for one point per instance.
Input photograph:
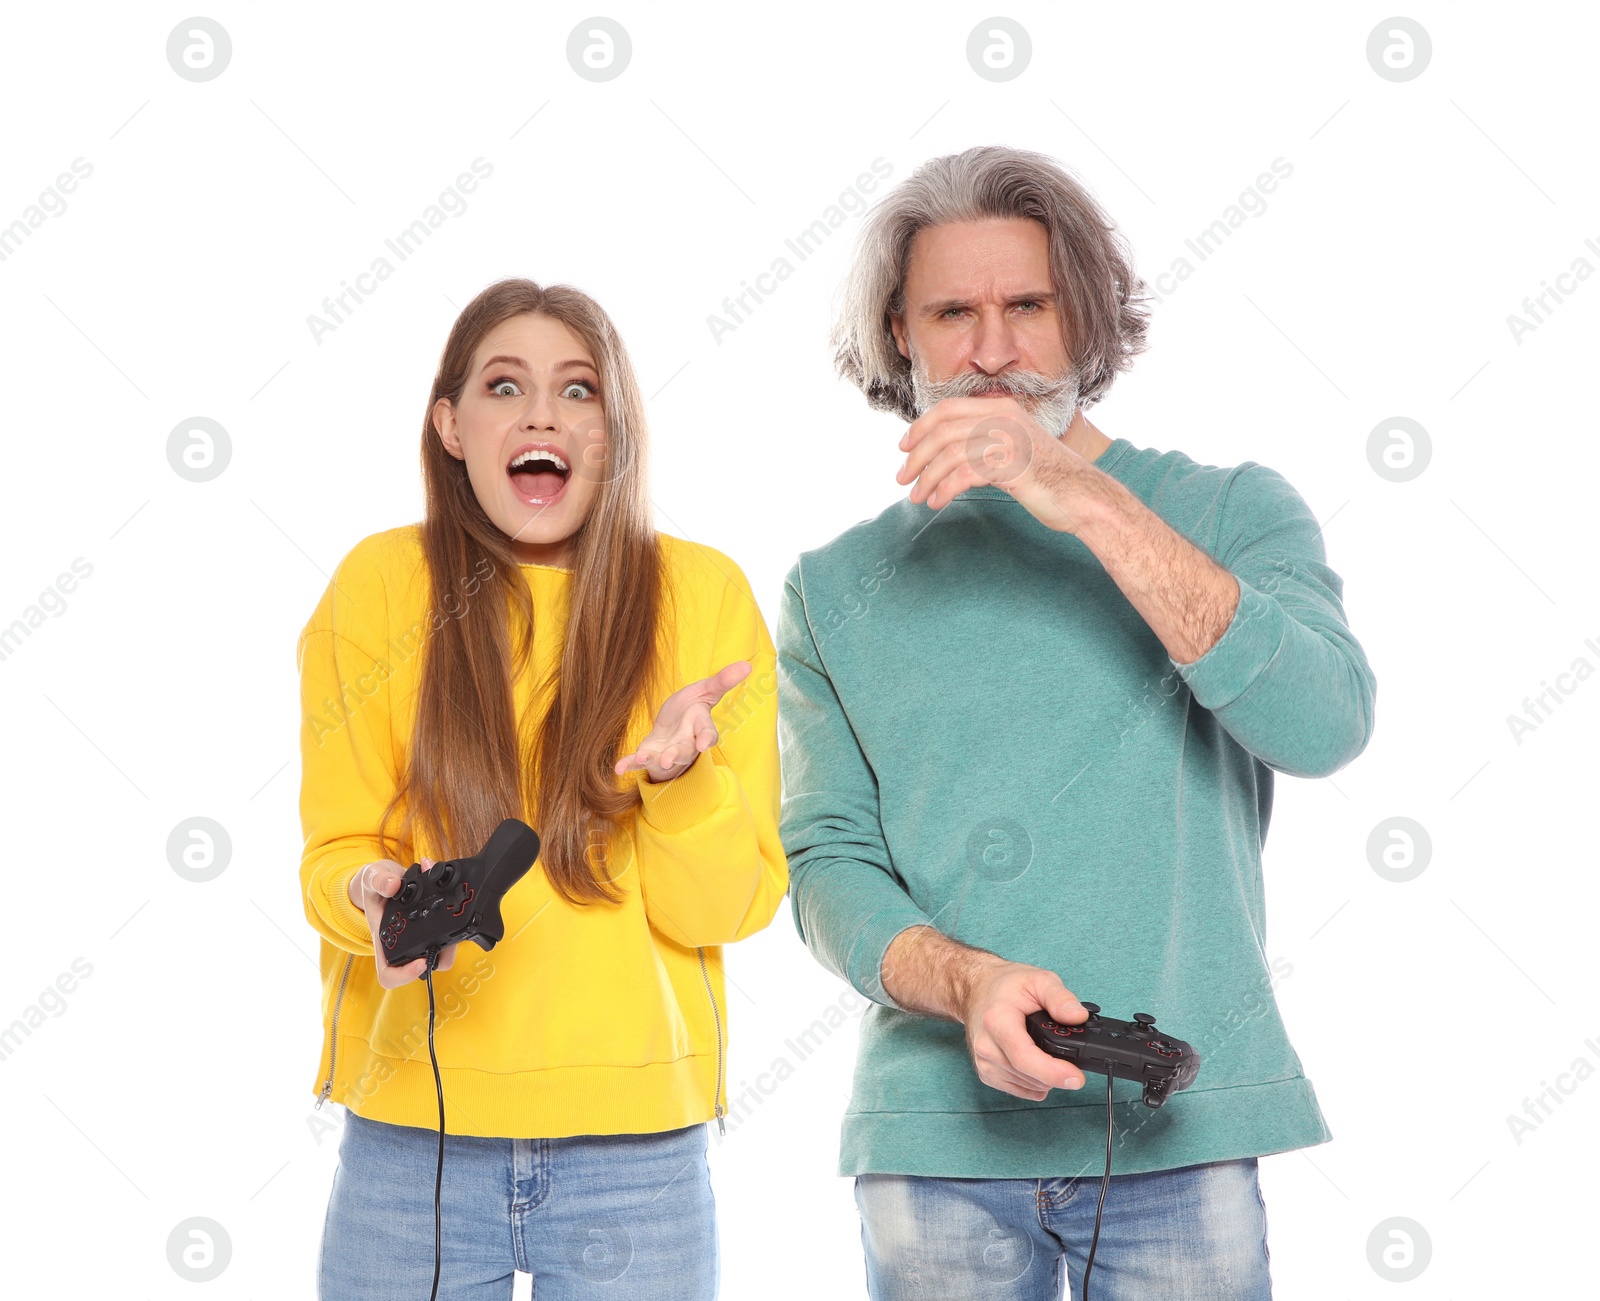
(963, 442)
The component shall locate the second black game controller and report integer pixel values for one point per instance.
(1126, 1050)
(458, 899)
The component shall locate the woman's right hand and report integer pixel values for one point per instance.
(370, 890)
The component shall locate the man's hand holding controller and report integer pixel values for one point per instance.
(925, 971)
(370, 890)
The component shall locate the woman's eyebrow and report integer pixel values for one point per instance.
(502, 358)
(572, 363)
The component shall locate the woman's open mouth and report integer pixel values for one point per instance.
(539, 475)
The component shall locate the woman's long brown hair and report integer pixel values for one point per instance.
(472, 761)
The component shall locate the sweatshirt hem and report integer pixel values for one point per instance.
(1054, 1142)
(558, 1102)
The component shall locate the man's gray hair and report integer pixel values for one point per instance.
(1101, 298)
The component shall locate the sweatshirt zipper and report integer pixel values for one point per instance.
(333, 1037)
(716, 1013)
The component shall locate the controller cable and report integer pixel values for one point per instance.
(438, 1176)
(1105, 1181)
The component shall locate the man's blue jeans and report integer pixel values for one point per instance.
(606, 1216)
(1195, 1234)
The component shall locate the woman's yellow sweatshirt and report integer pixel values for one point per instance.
(585, 1019)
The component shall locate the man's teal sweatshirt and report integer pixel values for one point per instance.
(981, 734)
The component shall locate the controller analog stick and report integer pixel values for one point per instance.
(1127, 1050)
(1093, 1009)
(459, 899)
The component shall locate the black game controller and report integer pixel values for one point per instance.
(458, 899)
(1126, 1050)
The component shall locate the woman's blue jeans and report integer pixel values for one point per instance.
(597, 1216)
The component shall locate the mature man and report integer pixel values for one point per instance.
(1031, 718)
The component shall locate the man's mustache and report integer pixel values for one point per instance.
(1015, 383)
(1052, 400)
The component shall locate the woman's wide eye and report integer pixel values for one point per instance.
(501, 384)
(577, 390)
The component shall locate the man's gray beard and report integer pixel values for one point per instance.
(1052, 402)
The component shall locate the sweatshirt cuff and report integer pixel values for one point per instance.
(340, 913)
(687, 800)
(1247, 646)
(864, 962)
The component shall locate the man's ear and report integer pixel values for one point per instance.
(897, 327)
(444, 424)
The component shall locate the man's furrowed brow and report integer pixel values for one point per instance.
(1045, 298)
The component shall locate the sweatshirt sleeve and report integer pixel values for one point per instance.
(348, 768)
(847, 900)
(711, 865)
(1287, 679)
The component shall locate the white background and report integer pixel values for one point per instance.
(1378, 282)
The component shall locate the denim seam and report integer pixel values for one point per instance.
(1068, 1194)
(1266, 1248)
(538, 1175)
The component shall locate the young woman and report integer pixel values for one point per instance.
(535, 649)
